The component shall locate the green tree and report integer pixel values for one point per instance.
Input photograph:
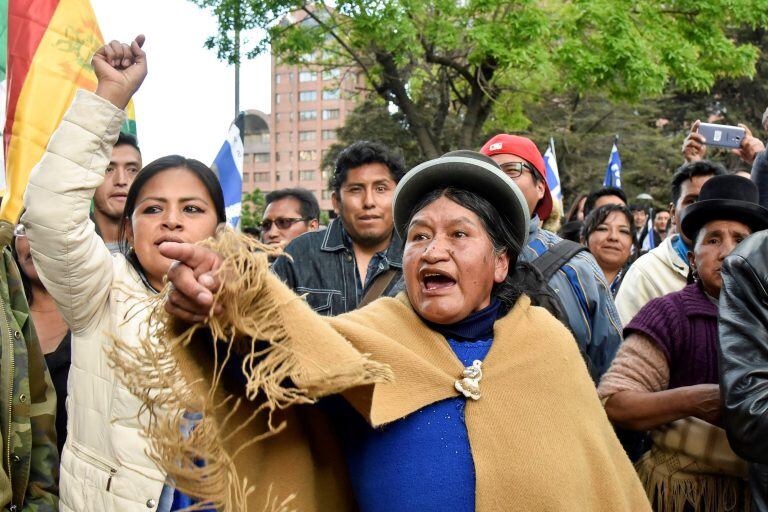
(252, 210)
(371, 120)
(477, 61)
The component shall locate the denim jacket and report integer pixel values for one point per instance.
(585, 296)
(324, 269)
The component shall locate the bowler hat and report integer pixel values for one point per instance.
(727, 197)
(466, 170)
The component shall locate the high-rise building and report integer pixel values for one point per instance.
(256, 150)
(309, 104)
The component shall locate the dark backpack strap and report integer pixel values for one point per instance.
(551, 261)
(379, 285)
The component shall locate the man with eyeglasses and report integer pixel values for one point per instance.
(571, 271)
(289, 212)
(359, 257)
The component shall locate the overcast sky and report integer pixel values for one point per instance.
(186, 103)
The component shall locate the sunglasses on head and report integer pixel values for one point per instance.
(281, 222)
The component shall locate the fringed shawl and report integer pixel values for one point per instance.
(539, 437)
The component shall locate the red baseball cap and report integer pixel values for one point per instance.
(504, 144)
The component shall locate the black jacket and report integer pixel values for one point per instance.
(743, 348)
(322, 267)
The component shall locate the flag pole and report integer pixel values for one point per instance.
(237, 74)
(237, 58)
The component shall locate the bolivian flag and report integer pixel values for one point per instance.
(49, 49)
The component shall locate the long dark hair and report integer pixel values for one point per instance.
(199, 169)
(573, 211)
(498, 229)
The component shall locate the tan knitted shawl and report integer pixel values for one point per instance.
(540, 439)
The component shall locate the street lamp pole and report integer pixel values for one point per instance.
(237, 59)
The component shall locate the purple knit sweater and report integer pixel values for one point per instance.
(684, 326)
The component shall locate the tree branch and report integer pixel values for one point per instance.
(599, 121)
(447, 62)
(341, 42)
(393, 84)
(443, 106)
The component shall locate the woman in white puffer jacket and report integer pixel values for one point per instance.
(105, 463)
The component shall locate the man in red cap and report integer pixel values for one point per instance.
(570, 270)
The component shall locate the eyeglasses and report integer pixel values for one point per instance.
(281, 222)
(515, 169)
(19, 230)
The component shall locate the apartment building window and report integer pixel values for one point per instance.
(307, 155)
(308, 135)
(260, 177)
(331, 74)
(326, 194)
(246, 177)
(306, 175)
(261, 157)
(308, 96)
(325, 174)
(333, 113)
(307, 115)
(278, 78)
(331, 94)
(329, 134)
(307, 76)
(284, 97)
(277, 176)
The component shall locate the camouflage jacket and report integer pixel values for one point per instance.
(30, 461)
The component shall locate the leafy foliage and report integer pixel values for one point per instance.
(452, 66)
(252, 209)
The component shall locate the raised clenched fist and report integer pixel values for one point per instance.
(120, 69)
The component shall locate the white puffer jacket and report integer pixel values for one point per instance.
(654, 274)
(105, 466)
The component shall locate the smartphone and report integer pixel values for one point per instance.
(722, 135)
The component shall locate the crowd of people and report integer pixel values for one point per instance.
(433, 347)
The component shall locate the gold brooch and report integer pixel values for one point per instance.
(469, 385)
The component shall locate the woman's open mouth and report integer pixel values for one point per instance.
(433, 281)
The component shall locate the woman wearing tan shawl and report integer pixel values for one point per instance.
(526, 431)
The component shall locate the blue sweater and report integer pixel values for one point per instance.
(421, 462)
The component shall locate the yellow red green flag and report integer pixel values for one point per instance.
(50, 44)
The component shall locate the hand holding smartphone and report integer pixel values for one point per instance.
(722, 135)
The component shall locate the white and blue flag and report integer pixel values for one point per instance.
(553, 175)
(228, 166)
(613, 171)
